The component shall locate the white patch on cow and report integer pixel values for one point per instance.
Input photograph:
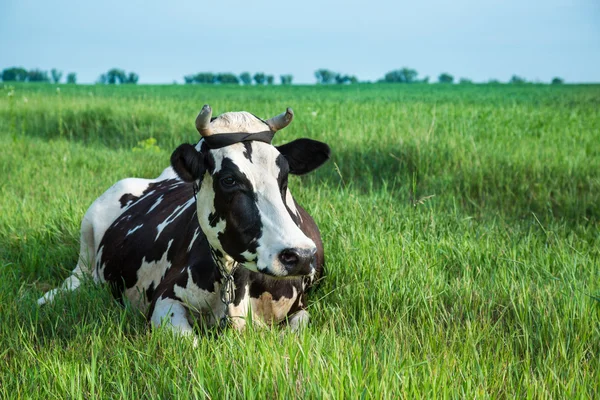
(204, 208)
(156, 203)
(148, 274)
(173, 314)
(202, 303)
(196, 234)
(129, 232)
(250, 264)
(174, 215)
(238, 314)
(168, 173)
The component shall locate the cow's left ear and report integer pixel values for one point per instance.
(188, 163)
(304, 155)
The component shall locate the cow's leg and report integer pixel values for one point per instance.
(84, 265)
(298, 320)
(172, 313)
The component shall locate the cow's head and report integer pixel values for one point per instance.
(243, 202)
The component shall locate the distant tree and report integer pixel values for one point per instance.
(493, 82)
(188, 79)
(344, 79)
(14, 74)
(516, 80)
(116, 75)
(286, 79)
(424, 80)
(56, 75)
(259, 78)
(72, 78)
(246, 78)
(445, 78)
(557, 81)
(228, 78)
(325, 76)
(270, 79)
(102, 79)
(36, 75)
(132, 78)
(205, 77)
(465, 81)
(403, 75)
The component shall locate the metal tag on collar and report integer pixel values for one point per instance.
(228, 290)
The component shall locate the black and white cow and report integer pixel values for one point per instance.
(172, 245)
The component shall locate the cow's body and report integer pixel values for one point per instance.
(143, 237)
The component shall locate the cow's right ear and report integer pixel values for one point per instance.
(188, 163)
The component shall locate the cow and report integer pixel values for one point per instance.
(217, 239)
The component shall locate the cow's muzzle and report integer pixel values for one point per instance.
(298, 261)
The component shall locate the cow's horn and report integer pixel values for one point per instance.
(203, 121)
(281, 121)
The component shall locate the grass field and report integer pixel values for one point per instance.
(461, 228)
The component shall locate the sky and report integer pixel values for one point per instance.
(164, 40)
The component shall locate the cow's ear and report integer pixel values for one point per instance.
(188, 163)
(304, 155)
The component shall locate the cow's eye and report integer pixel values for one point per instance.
(228, 181)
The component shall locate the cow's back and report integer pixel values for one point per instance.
(147, 238)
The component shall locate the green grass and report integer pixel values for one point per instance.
(461, 226)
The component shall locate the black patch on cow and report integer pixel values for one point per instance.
(277, 287)
(213, 219)
(236, 205)
(259, 283)
(126, 199)
(282, 181)
(282, 176)
(227, 139)
(209, 160)
(150, 292)
(248, 150)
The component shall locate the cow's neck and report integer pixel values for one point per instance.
(225, 264)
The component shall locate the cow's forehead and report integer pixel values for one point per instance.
(252, 158)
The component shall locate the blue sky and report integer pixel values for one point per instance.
(164, 40)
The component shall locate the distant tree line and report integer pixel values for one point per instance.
(409, 75)
(326, 77)
(118, 76)
(18, 74)
(227, 78)
(323, 76)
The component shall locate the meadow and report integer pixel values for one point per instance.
(461, 230)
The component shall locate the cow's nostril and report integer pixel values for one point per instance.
(297, 261)
(289, 257)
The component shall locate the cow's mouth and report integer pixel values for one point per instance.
(289, 264)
